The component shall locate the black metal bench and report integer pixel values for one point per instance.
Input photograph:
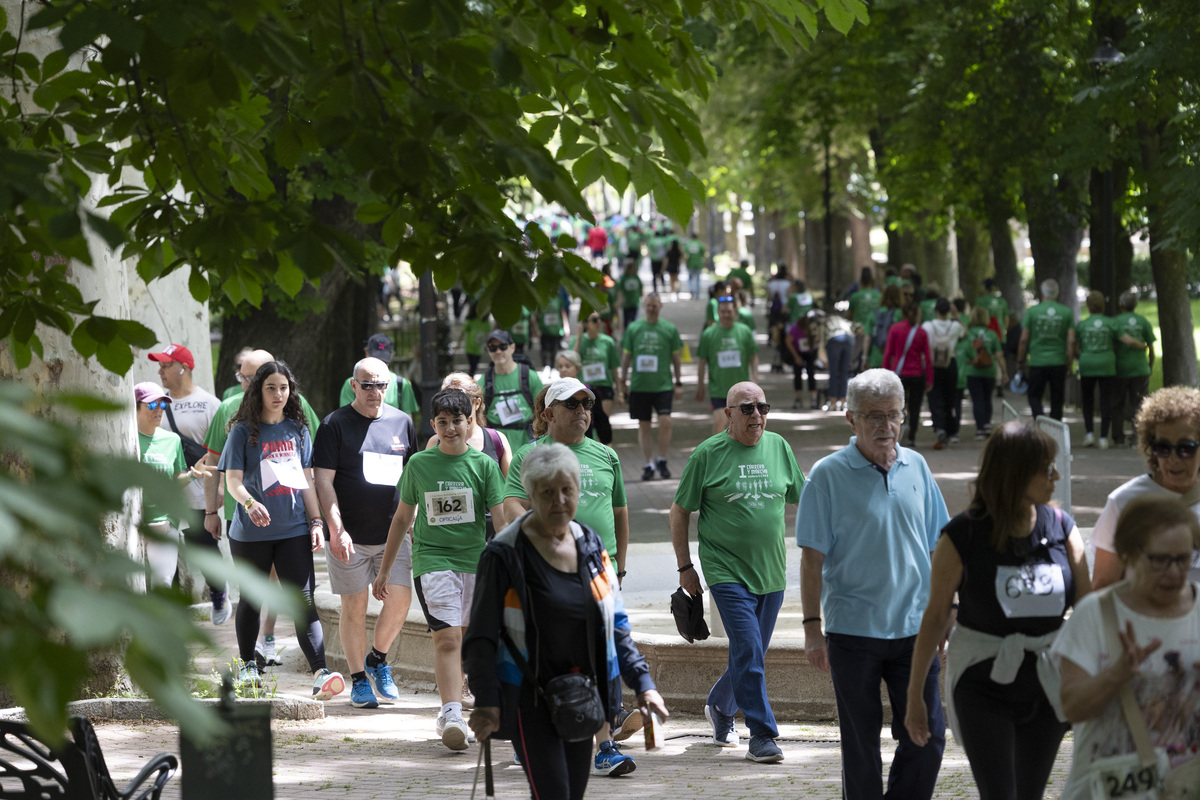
(30, 770)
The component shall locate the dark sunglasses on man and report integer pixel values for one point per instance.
(497, 348)
(749, 408)
(572, 403)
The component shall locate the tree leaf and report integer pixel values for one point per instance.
(198, 285)
(588, 168)
(289, 276)
(543, 128)
(535, 104)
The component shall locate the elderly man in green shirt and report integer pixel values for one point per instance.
(1048, 339)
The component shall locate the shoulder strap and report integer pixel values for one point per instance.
(489, 386)
(912, 332)
(1129, 706)
(525, 385)
(496, 443)
(171, 419)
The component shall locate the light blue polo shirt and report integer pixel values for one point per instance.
(876, 538)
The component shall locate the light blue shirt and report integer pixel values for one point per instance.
(876, 538)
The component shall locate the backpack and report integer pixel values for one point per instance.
(982, 357)
(941, 345)
(883, 323)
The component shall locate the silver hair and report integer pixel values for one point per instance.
(572, 356)
(874, 384)
(1129, 300)
(1050, 289)
(547, 461)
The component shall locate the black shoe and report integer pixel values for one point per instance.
(662, 469)
(648, 473)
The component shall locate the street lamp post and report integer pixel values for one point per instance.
(828, 197)
(1104, 268)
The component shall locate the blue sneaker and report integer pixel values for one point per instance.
(724, 734)
(763, 750)
(610, 762)
(381, 678)
(361, 695)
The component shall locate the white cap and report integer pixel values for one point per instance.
(564, 389)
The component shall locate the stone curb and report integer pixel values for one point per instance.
(284, 707)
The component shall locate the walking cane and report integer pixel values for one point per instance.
(485, 758)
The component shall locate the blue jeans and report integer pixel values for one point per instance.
(858, 664)
(839, 349)
(694, 283)
(749, 621)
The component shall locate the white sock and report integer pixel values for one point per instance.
(650, 464)
(452, 709)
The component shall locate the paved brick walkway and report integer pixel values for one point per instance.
(391, 752)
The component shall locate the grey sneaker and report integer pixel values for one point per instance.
(763, 750)
(220, 606)
(627, 723)
(722, 724)
(327, 684)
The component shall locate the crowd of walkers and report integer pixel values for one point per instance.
(512, 525)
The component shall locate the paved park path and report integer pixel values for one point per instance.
(391, 752)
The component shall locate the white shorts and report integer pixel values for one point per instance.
(445, 598)
(365, 561)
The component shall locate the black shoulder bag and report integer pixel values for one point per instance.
(193, 451)
(575, 707)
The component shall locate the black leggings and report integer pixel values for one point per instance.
(197, 536)
(1010, 733)
(556, 770)
(914, 398)
(808, 363)
(1088, 385)
(293, 560)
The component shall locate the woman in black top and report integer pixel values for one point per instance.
(1017, 564)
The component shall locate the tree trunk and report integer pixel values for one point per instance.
(1055, 233)
(1004, 255)
(973, 261)
(792, 247)
(860, 246)
(1170, 269)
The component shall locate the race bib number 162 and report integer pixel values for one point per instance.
(450, 507)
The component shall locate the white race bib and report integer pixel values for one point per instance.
(593, 373)
(450, 507)
(509, 410)
(382, 469)
(551, 320)
(285, 471)
(521, 329)
(1035, 590)
(727, 359)
(647, 364)
(1124, 778)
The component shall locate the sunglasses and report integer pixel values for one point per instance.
(593, 319)
(573, 404)
(157, 404)
(726, 299)
(1160, 562)
(497, 348)
(366, 387)
(749, 408)
(1161, 448)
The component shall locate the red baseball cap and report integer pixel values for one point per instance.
(175, 352)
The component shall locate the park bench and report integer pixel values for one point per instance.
(31, 770)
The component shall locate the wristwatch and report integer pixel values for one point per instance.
(249, 502)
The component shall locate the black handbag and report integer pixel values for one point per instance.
(574, 700)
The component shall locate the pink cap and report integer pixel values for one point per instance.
(148, 392)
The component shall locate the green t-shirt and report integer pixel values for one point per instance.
(631, 291)
(862, 307)
(727, 353)
(163, 451)
(601, 360)
(996, 306)
(1048, 323)
(746, 317)
(404, 399)
(452, 495)
(601, 486)
(1132, 362)
(740, 493)
(214, 440)
(928, 310)
(710, 311)
(799, 304)
(651, 345)
(231, 391)
(1097, 358)
(747, 281)
(520, 329)
(511, 411)
(475, 333)
(876, 357)
(635, 239)
(693, 250)
(550, 319)
(966, 353)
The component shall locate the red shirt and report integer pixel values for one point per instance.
(597, 238)
(918, 359)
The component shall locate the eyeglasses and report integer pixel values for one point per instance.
(1051, 470)
(367, 387)
(1161, 562)
(879, 419)
(1161, 448)
(572, 403)
(748, 409)
(497, 348)
(726, 299)
(239, 377)
(157, 404)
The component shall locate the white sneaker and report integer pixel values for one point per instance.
(1089, 441)
(1103, 443)
(326, 684)
(453, 731)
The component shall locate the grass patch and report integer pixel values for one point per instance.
(1149, 309)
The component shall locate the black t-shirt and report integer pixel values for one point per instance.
(1025, 589)
(559, 610)
(368, 457)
